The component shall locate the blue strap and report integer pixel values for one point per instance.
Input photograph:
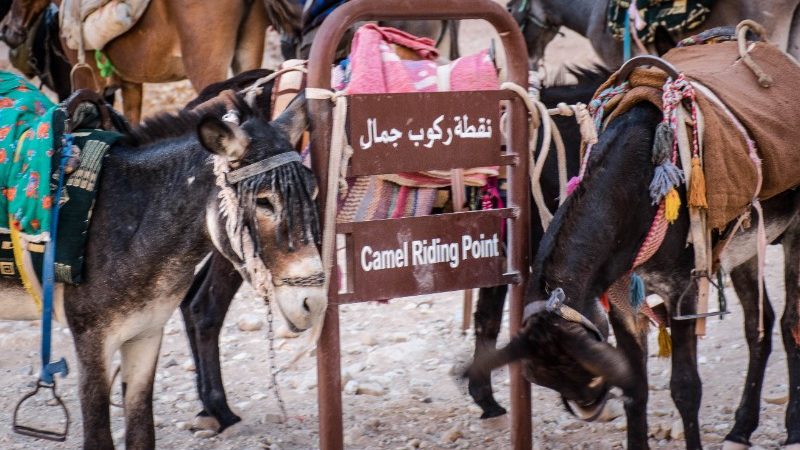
(626, 38)
(49, 369)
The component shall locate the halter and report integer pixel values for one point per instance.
(265, 165)
(531, 17)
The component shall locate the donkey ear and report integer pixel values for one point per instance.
(293, 121)
(663, 41)
(222, 138)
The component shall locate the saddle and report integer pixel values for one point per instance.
(98, 22)
(768, 116)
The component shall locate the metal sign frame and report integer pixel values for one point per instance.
(515, 156)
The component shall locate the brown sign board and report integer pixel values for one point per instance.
(422, 255)
(421, 131)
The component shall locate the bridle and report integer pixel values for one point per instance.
(555, 305)
(265, 165)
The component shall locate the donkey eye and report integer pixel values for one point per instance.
(265, 204)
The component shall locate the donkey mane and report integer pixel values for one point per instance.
(170, 125)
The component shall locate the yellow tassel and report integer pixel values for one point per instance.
(672, 204)
(697, 188)
(19, 255)
(664, 343)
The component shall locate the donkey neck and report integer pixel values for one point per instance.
(159, 193)
(595, 235)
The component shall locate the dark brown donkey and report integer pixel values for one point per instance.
(173, 40)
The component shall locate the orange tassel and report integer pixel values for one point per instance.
(697, 188)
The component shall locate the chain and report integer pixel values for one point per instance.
(272, 361)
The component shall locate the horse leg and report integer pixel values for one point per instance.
(250, 42)
(206, 312)
(139, 358)
(488, 319)
(132, 101)
(207, 56)
(745, 281)
(790, 328)
(94, 358)
(633, 345)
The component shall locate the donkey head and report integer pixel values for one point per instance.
(264, 217)
(14, 28)
(536, 21)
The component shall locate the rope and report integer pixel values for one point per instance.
(540, 115)
(251, 92)
(340, 153)
(741, 38)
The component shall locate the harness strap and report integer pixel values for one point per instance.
(49, 369)
(265, 165)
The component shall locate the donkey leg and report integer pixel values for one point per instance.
(94, 358)
(488, 319)
(685, 385)
(191, 325)
(634, 347)
(207, 310)
(745, 281)
(790, 328)
(132, 101)
(139, 358)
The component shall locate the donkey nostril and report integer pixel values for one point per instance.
(305, 305)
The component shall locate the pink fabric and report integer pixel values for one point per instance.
(376, 68)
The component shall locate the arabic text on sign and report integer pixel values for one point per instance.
(462, 129)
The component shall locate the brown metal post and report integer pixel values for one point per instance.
(519, 235)
(321, 60)
(329, 385)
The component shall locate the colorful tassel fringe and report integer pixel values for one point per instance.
(672, 205)
(664, 343)
(573, 184)
(697, 187)
(666, 176)
(637, 291)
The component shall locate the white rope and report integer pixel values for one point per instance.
(541, 115)
(251, 92)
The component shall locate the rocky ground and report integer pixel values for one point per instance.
(398, 361)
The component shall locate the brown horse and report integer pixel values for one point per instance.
(173, 40)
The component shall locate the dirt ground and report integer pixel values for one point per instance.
(398, 362)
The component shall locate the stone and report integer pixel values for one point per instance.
(273, 418)
(201, 423)
(170, 363)
(283, 332)
(183, 426)
(452, 435)
(611, 410)
(414, 443)
(249, 322)
(351, 387)
(676, 431)
(119, 434)
(370, 388)
(369, 340)
(777, 399)
(205, 434)
(188, 365)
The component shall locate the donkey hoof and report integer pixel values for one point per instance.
(202, 422)
(730, 445)
(493, 411)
